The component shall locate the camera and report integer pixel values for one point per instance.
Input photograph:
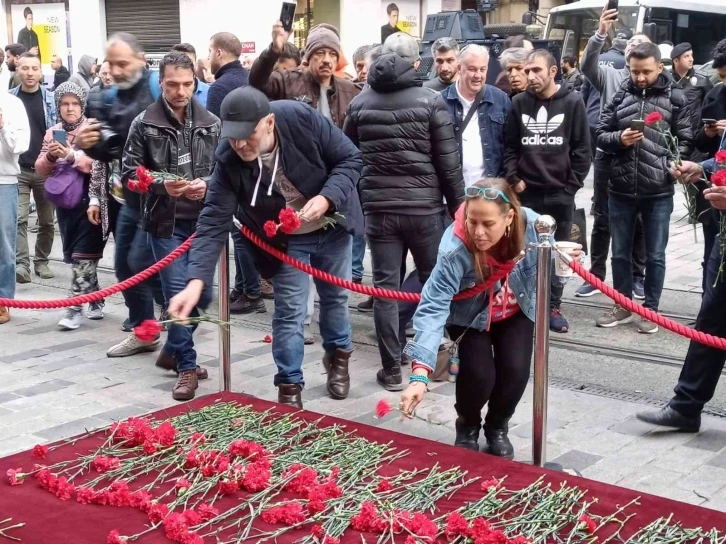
(111, 140)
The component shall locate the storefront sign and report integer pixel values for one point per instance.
(41, 28)
(409, 16)
(248, 47)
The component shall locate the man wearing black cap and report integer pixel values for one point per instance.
(285, 155)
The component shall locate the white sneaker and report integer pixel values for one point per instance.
(131, 346)
(71, 321)
(95, 311)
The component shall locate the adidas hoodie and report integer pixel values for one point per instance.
(548, 141)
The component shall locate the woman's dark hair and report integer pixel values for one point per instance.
(512, 243)
(719, 54)
(175, 58)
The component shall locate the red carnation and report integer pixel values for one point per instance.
(587, 523)
(721, 157)
(718, 179)
(39, 452)
(65, 489)
(103, 464)
(270, 228)
(192, 538)
(207, 512)
(199, 438)
(257, 477)
(653, 118)
(289, 220)
(486, 485)
(456, 525)
(228, 487)
(158, 512)
(382, 408)
(175, 527)
(288, 514)
(316, 507)
(15, 477)
(148, 331)
(192, 518)
(383, 486)
(115, 538)
(84, 495)
(165, 433)
(182, 484)
(267, 339)
(150, 448)
(134, 186)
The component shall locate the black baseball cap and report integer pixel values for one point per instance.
(241, 111)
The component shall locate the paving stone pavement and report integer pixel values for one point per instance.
(56, 384)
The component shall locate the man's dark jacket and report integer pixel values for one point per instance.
(642, 170)
(153, 143)
(301, 86)
(61, 76)
(695, 86)
(714, 107)
(406, 136)
(117, 109)
(229, 77)
(316, 158)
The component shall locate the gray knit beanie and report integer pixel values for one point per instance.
(320, 37)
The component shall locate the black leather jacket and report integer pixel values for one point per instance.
(695, 86)
(153, 143)
(642, 170)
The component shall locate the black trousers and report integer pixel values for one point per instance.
(600, 235)
(493, 367)
(389, 235)
(703, 365)
(561, 205)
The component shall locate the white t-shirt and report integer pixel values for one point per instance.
(14, 137)
(471, 148)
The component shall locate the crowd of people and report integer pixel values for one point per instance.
(454, 171)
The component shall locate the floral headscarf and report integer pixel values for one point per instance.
(70, 88)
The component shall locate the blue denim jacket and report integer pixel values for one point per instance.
(493, 111)
(50, 113)
(454, 272)
(710, 165)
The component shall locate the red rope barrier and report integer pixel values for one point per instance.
(103, 293)
(401, 296)
(660, 320)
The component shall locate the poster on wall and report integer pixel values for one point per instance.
(401, 16)
(41, 28)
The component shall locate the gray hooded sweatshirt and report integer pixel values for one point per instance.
(82, 77)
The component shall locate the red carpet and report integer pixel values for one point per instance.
(49, 520)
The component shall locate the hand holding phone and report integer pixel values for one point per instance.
(709, 122)
(637, 125)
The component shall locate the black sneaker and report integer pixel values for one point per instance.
(390, 380)
(366, 306)
(247, 305)
(126, 326)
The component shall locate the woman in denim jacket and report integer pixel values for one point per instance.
(494, 339)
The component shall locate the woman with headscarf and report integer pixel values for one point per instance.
(82, 240)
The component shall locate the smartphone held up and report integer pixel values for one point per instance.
(287, 14)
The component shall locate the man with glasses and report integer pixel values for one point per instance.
(607, 79)
(411, 163)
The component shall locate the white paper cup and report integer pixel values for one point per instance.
(562, 269)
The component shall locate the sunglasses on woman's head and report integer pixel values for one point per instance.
(487, 192)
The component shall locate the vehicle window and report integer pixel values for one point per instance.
(583, 24)
(702, 30)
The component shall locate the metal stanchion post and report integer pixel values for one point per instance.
(225, 362)
(545, 227)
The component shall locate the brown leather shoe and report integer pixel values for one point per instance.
(4, 315)
(336, 365)
(267, 290)
(290, 394)
(166, 361)
(186, 385)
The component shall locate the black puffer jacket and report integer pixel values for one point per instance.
(406, 136)
(641, 170)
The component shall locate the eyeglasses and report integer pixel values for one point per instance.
(487, 192)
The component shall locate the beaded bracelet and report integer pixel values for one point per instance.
(413, 378)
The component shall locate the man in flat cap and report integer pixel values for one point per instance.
(275, 156)
(316, 86)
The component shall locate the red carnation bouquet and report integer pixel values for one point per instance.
(655, 121)
(150, 329)
(145, 178)
(290, 221)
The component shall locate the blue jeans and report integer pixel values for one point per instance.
(656, 214)
(359, 253)
(330, 251)
(179, 341)
(247, 278)
(133, 255)
(8, 237)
